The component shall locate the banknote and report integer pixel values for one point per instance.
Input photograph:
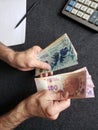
(59, 54)
(78, 83)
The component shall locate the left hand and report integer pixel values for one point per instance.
(27, 60)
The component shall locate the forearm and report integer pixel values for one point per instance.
(12, 119)
(6, 54)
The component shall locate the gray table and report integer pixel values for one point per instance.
(44, 25)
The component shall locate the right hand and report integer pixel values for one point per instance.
(46, 104)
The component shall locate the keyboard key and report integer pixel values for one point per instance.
(80, 13)
(74, 11)
(72, 3)
(96, 22)
(87, 2)
(94, 17)
(83, 8)
(90, 11)
(68, 8)
(81, 1)
(94, 5)
(78, 5)
(86, 17)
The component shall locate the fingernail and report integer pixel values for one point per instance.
(49, 67)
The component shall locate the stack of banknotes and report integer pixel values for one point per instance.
(59, 54)
(78, 83)
(62, 54)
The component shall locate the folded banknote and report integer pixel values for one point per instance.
(78, 83)
(59, 54)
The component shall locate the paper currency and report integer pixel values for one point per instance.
(78, 83)
(59, 54)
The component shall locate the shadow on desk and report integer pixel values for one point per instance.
(15, 86)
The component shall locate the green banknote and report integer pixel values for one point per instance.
(59, 54)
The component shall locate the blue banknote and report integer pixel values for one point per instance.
(59, 54)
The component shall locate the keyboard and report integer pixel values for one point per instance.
(83, 11)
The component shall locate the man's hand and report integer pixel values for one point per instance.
(25, 60)
(46, 104)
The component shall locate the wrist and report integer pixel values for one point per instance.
(12, 119)
(31, 106)
(6, 54)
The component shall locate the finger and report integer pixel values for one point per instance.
(62, 105)
(64, 95)
(46, 74)
(25, 69)
(50, 95)
(57, 107)
(50, 73)
(54, 96)
(53, 117)
(37, 49)
(43, 74)
(58, 96)
(42, 65)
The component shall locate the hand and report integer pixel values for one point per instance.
(27, 60)
(46, 104)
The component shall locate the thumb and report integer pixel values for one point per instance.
(43, 65)
(58, 96)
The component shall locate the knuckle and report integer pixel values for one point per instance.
(45, 92)
(42, 95)
(36, 47)
(54, 117)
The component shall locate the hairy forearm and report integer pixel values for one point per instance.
(6, 54)
(12, 119)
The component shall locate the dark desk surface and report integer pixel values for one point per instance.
(44, 25)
